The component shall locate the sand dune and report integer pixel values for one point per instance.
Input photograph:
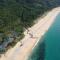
(38, 30)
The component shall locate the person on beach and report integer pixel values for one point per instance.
(21, 44)
(31, 35)
(28, 31)
(0, 55)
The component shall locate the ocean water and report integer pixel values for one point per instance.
(49, 46)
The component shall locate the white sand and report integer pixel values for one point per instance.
(38, 30)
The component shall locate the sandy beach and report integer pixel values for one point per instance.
(38, 30)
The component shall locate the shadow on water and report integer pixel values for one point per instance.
(42, 51)
(38, 52)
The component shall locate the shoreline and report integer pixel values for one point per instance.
(43, 34)
(39, 29)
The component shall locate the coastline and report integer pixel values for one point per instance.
(57, 11)
(46, 30)
(39, 30)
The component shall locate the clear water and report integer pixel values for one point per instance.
(49, 46)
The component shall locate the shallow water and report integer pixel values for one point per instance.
(49, 46)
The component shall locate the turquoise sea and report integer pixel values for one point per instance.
(49, 46)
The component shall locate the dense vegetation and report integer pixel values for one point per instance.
(17, 15)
